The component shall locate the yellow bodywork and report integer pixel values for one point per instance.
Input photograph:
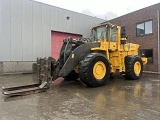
(116, 52)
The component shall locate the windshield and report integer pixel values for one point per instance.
(101, 33)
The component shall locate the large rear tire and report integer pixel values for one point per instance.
(94, 70)
(134, 67)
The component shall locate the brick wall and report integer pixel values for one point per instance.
(146, 42)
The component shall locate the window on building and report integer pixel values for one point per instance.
(148, 53)
(144, 28)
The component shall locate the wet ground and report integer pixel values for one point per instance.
(118, 100)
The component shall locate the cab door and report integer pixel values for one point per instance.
(112, 38)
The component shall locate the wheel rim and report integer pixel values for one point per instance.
(137, 67)
(99, 70)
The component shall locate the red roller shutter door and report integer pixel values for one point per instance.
(57, 41)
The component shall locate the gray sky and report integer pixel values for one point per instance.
(105, 9)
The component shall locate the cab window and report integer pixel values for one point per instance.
(101, 33)
(113, 34)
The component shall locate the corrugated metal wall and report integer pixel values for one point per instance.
(25, 28)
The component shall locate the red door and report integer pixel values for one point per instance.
(57, 41)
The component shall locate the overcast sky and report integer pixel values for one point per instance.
(105, 9)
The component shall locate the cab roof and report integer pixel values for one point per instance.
(104, 24)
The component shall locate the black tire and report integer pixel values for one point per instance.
(72, 76)
(87, 66)
(131, 72)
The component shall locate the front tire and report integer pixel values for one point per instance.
(94, 70)
(134, 67)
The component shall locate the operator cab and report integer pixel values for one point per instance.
(105, 32)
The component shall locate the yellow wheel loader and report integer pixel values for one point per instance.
(92, 60)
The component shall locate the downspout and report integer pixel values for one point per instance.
(158, 35)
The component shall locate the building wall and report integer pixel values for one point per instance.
(146, 42)
(25, 29)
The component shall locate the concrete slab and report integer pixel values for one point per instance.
(118, 100)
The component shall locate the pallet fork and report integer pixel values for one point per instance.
(43, 76)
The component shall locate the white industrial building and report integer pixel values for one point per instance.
(29, 29)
